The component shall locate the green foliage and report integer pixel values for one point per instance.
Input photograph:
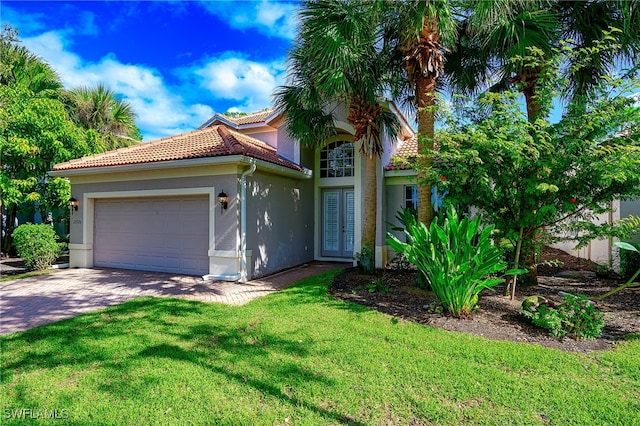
(37, 132)
(455, 256)
(527, 175)
(626, 249)
(577, 317)
(366, 260)
(100, 109)
(378, 286)
(629, 263)
(37, 245)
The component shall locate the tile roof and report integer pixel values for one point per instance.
(251, 118)
(405, 155)
(215, 141)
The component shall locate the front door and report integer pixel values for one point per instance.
(338, 222)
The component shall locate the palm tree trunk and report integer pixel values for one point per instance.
(370, 203)
(426, 127)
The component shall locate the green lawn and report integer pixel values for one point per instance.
(300, 357)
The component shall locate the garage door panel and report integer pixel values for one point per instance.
(166, 235)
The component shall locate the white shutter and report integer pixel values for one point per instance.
(331, 221)
(349, 211)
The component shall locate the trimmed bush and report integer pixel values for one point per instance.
(37, 245)
(457, 259)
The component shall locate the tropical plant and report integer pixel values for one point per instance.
(527, 176)
(493, 33)
(457, 257)
(420, 31)
(99, 108)
(37, 245)
(339, 57)
(35, 134)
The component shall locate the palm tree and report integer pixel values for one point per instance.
(493, 33)
(340, 58)
(500, 30)
(420, 31)
(100, 109)
(20, 67)
(584, 25)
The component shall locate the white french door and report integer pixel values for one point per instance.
(338, 222)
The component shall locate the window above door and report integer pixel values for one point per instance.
(336, 160)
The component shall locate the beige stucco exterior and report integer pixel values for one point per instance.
(278, 223)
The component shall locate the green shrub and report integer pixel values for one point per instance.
(576, 317)
(37, 245)
(456, 258)
(629, 263)
(366, 261)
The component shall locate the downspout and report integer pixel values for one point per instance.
(243, 220)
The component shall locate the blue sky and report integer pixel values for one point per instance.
(176, 62)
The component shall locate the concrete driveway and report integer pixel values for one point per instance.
(29, 302)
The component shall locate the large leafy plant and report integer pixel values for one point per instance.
(456, 256)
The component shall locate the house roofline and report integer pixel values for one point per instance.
(407, 126)
(400, 173)
(174, 164)
(221, 118)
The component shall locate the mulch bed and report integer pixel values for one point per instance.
(498, 318)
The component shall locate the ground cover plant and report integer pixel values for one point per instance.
(300, 357)
(576, 316)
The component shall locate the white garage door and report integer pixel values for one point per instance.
(153, 234)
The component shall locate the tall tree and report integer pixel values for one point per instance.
(420, 30)
(100, 109)
(499, 36)
(35, 133)
(340, 57)
(498, 32)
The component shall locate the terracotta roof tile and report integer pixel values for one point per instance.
(405, 155)
(251, 118)
(215, 141)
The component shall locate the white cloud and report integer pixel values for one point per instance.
(25, 23)
(236, 78)
(161, 112)
(88, 26)
(271, 18)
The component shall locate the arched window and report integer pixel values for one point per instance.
(336, 160)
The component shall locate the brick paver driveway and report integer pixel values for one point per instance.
(30, 302)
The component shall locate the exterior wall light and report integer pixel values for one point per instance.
(224, 201)
(73, 203)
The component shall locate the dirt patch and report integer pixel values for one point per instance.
(498, 317)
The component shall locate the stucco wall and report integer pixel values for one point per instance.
(269, 137)
(279, 222)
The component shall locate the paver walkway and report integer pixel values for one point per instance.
(29, 302)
